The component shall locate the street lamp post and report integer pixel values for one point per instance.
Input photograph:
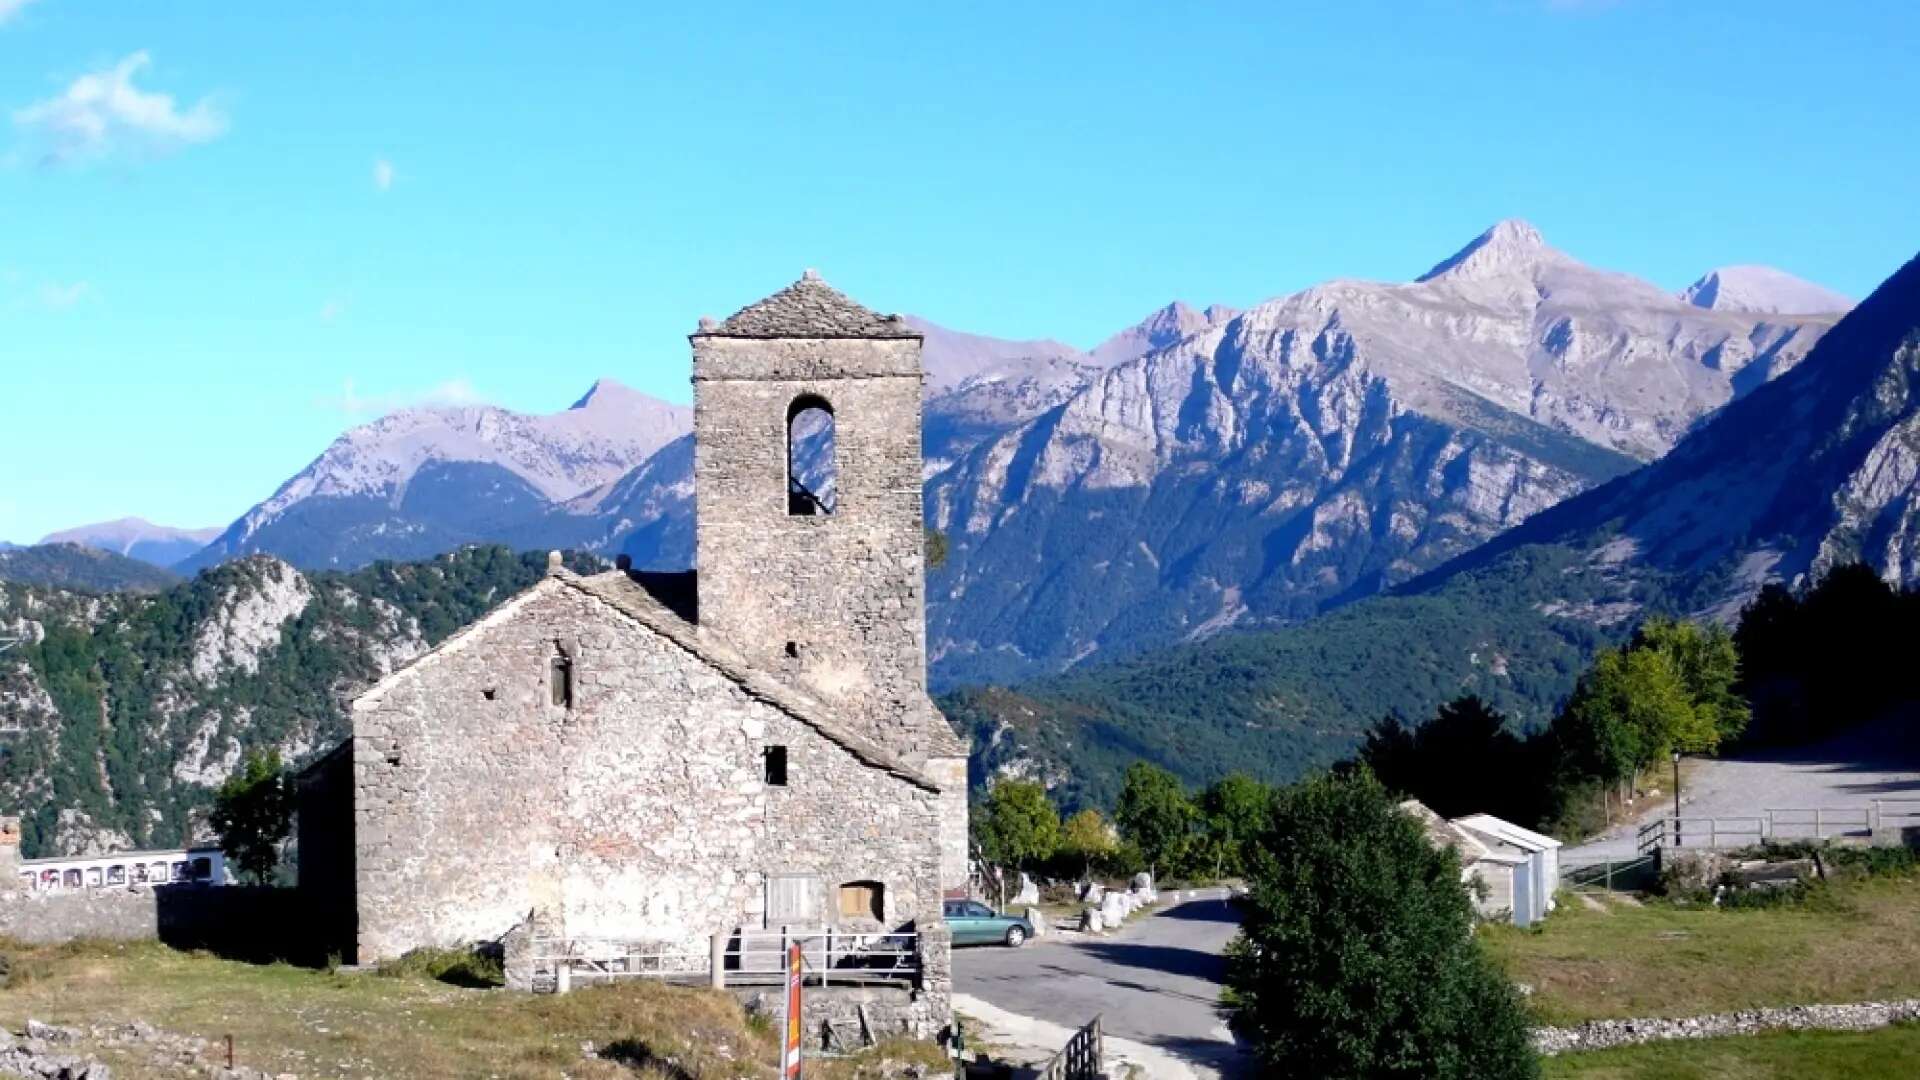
(1676, 798)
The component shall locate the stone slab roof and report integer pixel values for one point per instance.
(632, 593)
(808, 308)
(1443, 834)
(618, 590)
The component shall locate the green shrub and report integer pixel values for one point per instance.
(1357, 957)
(458, 967)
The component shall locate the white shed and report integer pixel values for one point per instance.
(1542, 856)
(1496, 870)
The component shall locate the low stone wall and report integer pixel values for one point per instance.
(831, 1015)
(1602, 1034)
(237, 921)
(54, 918)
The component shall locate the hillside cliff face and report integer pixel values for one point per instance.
(1819, 467)
(1321, 446)
(121, 712)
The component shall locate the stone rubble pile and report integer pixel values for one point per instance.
(1602, 1034)
(41, 1053)
(48, 1052)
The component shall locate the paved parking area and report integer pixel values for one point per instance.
(1155, 982)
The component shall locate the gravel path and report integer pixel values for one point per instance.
(1878, 761)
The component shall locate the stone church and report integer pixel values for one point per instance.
(653, 757)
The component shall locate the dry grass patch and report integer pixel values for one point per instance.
(1856, 942)
(317, 1024)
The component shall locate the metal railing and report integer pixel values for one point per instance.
(1608, 873)
(747, 958)
(1776, 824)
(1083, 1058)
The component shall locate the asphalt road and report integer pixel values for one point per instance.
(1156, 981)
(1875, 761)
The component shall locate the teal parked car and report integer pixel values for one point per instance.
(974, 923)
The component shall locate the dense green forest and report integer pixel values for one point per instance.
(129, 710)
(1279, 703)
(82, 569)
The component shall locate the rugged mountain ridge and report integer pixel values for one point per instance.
(1820, 467)
(1198, 471)
(421, 481)
(137, 538)
(1762, 290)
(1319, 447)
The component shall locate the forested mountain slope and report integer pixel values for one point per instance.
(124, 710)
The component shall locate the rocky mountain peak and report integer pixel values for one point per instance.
(1762, 290)
(1511, 246)
(1161, 328)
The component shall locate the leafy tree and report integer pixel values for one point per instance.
(1086, 836)
(1709, 666)
(1632, 707)
(1357, 957)
(1463, 761)
(1154, 814)
(1832, 655)
(1019, 826)
(252, 812)
(1232, 812)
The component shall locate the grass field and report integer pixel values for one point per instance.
(1889, 1054)
(316, 1024)
(1859, 941)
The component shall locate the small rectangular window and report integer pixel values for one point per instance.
(560, 681)
(776, 766)
(863, 900)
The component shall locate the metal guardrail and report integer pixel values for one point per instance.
(748, 958)
(1775, 824)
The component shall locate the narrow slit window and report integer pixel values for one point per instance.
(813, 485)
(776, 766)
(560, 679)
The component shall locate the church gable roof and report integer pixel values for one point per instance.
(618, 590)
(808, 308)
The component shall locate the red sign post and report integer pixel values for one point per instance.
(790, 1043)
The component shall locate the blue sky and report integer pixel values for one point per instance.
(506, 201)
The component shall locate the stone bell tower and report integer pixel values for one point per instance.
(810, 544)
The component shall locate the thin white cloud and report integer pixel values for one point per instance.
(332, 309)
(103, 114)
(10, 8)
(450, 394)
(382, 174)
(61, 297)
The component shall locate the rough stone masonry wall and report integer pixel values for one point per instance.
(847, 588)
(453, 793)
(640, 814)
